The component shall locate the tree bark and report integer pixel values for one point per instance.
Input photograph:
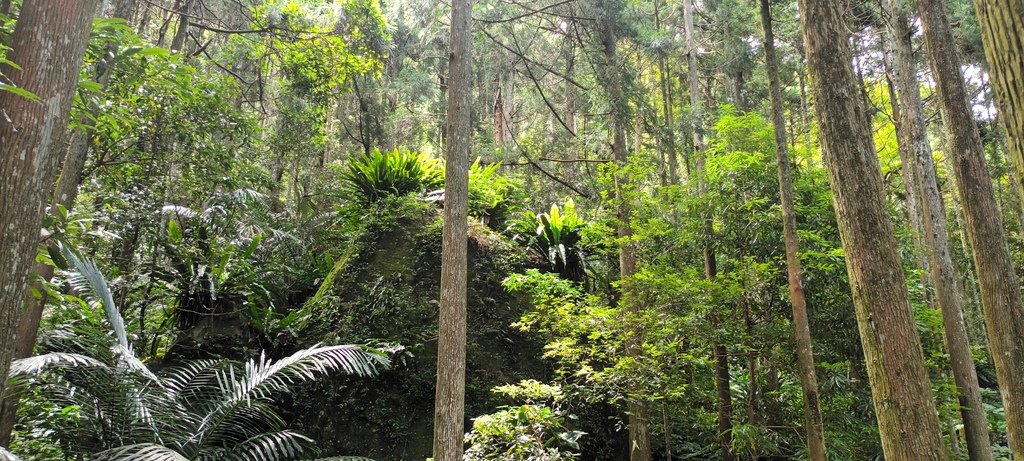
(801, 326)
(719, 351)
(665, 85)
(504, 137)
(639, 433)
(449, 402)
(181, 33)
(48, 44)
(1001, 24)
(902, 395)
(1000, 289)
(944, 276)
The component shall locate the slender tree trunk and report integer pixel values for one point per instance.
(181, 33)
(801, 326)
(449, 404)
(805, 109)
(911, 184)
(665, 85)
(907, 418)
(639, 433)
(1001, 24)
(5, 9)
(1000, 289)
(719, 351)
(503, 105)
(48, 44)
(944, 276)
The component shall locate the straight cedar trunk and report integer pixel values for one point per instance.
(719, 351)
(181, 33)
(48, 44)
(665, 86)
(1001, 24)
(449, 401)
(1000, 289)
(801, 326)
(639, 433)
(64, 195)
(944, 275)
(902, 394)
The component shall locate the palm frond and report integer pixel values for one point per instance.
(184, 212)
(89, 276)
(7, 456)
(126, 358)
(200, 373)
(270, 446)
(262, 379)
(344, 458)
(140, 452)
(32, 366)
(266, 376)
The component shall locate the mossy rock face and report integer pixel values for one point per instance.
(388, 292)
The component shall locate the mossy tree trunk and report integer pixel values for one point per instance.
(1001, 24)
(902, 394)
(999, 286)
(944, 276)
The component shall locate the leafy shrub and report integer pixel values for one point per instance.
(556, 236)
(399, 172)
(531, 431)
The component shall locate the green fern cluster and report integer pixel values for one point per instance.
(399, 172)
(556, 236)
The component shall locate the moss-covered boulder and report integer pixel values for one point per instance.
(384, 287)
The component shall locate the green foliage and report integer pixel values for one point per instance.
(531, 431)
(399, 172)
(492, 195)
(557, 237)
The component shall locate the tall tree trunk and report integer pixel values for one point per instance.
(1000, 289)
(64, 195)
(503, 104)
(449, 402)
(902, 394)
(944, 276)
(639, 433)
(48, 44)
(181, 33)
(911, 184)
(1001, 24)
(668, 124)
(5, 9)
(805, 109)
(801, 326)
(719, 351)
